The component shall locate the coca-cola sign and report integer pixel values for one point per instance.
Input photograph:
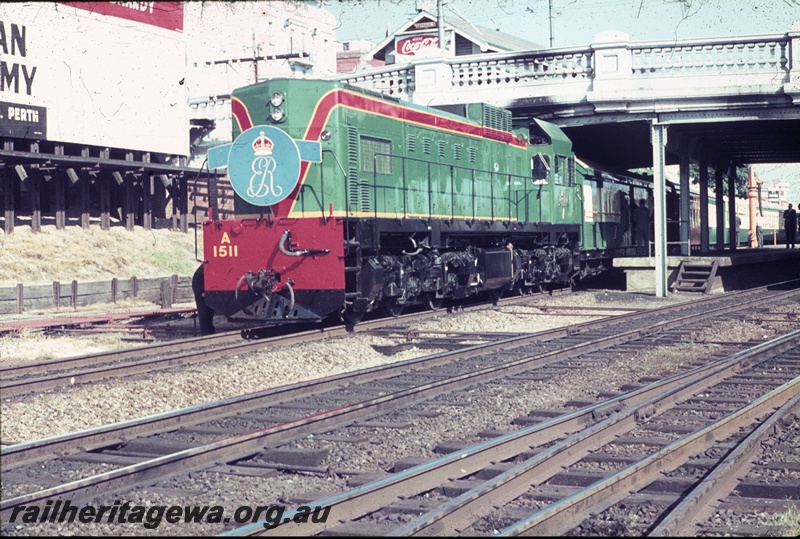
(410, 46)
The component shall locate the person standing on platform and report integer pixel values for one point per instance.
(641, 218)
(790, 226)
(759, 230)
(738, 230)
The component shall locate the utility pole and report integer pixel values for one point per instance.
(550, 13)
(440, 22)
(256, 51)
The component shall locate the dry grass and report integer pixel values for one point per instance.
(94, 254)
(788, 523)
(30, 345)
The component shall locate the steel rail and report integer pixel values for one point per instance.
(29, 452)
(91, 318)
(606, 418)
(627, 409)
(11, 384)
(566, 514)
(242, 446)
(682, 519)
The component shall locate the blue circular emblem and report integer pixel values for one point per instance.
(264, 165)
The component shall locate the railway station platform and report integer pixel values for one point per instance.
(735, 269)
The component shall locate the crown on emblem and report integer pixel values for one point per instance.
(262, 145)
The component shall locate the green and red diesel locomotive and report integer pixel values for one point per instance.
(347, 201)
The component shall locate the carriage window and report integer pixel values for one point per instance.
(540, 169)
(370, 161)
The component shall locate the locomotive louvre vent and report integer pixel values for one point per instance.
(411, 143)
(496, 118)
(426, 145)
(353, 189)
(442, 145)
(457, 151)
(472, 154)
(490, 117)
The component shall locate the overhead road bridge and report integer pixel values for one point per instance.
(721, 103)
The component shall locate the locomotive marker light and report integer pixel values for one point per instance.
(276, 99)
(264, 163)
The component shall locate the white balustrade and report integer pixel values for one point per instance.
(607, 71)
(745, 57)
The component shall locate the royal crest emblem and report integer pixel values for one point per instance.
(264, 163)
(262, 145)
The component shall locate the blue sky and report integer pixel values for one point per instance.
(575, 22)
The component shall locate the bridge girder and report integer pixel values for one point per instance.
(743, 136)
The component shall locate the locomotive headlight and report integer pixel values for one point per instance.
(277, 114)
(276, 99)
(325, 135)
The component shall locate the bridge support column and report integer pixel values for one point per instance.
(658, 137)
(720, 210)
(734, 240)
(704, 204)
(684, 212)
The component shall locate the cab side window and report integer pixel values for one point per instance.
(540, 169)
(564, 170)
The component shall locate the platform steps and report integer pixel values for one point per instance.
(695, 276)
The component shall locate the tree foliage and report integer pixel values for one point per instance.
(742, 177)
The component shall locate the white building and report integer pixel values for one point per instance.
(234, 44)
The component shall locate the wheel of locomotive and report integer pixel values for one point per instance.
(205, 315)
(351, 317)
(432, 302)
(496, 294)
(522, 289)
(390, 307)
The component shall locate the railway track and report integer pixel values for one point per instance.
(350, 398)
(108, 321)
(562, 481)
(26, 377)
(31, 452)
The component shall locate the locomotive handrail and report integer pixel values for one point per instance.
(286, 238)
(322, 185)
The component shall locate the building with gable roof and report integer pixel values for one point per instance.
(419, 38)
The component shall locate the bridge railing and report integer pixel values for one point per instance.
(613, 69)
(729, 56)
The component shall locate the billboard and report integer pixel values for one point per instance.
(422, 45)
(109, 74)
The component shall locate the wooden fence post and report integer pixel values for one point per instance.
(166, 294)
(57, 294)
